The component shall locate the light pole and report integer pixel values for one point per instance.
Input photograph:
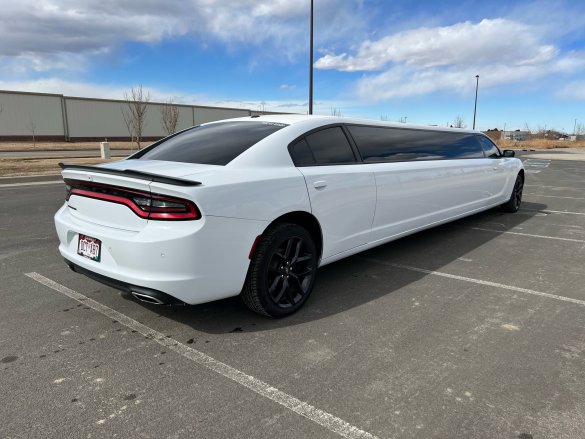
(475, 106)
(311, 65)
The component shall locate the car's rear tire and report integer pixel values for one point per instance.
(513, 204)
(282, 271)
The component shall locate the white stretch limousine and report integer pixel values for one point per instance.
(253, 206)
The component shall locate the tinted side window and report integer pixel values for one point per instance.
(378, 144)
(301, 153)
(214, 144)
(489, 147)
(330, 146)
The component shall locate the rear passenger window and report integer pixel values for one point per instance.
(379, 144)
(330, 146)
(301, 153)
(489, 147)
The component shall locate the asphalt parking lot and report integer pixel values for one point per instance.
(475, 329)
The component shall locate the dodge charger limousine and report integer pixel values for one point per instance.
(252, 206)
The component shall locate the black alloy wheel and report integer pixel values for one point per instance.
(513, 204)
(282, 271)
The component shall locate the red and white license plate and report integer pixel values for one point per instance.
(89, 247)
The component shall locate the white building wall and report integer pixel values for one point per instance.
(209, 114)
(93, 118)
(23, 111)
(74, 117)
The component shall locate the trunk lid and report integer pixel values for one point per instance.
(102, 198)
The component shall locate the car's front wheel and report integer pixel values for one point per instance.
(513, 204)
(282, 271)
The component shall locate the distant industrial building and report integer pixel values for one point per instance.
(54, 117)
(515, 135)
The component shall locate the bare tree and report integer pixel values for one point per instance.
(541, 132)
(135, 112)
(579, 129)
(336, 112)
(384, 117)
(169, 117)
(32, 127)
(128, 122)
(459, 122)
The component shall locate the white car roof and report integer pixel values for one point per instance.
(317, 120)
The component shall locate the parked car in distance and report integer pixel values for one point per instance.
(253, 206)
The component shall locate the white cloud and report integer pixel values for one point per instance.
(48, 29)
(499, 40)
(426, 60)
(574, 90)
(280, 8)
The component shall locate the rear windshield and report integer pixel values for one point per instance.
(214, 144)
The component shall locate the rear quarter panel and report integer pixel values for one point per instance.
(253, 193)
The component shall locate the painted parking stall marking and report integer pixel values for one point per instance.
(327, 420)
(565, 212)
(556, 187)
(31, 183)
(477, 281)
(528, 234)
(534, 166)
(556, 196)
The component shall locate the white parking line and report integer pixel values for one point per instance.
(556, 187)
(30, 183)
(327, 420)
(555, 196)
(478, 281)
(528, 234)
(553, 211)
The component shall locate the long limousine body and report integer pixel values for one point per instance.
(253, 206)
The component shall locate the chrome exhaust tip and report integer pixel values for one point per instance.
(146, 298)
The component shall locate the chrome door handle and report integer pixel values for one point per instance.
(320, 184)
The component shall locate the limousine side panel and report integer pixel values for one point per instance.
(415, 194)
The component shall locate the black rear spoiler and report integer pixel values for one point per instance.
(132, 174)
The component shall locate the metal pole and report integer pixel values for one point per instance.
(311, 65)
(475, 106)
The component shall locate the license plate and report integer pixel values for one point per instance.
(89, 247)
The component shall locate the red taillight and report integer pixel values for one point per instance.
(144, 204)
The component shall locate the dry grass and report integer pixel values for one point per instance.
(539, 144)
(65, 146)
(20, 167)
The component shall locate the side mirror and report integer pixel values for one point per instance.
(509, 153)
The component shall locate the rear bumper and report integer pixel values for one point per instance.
(163, 298)
(192, 261)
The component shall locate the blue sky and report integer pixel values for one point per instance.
(373, 58)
